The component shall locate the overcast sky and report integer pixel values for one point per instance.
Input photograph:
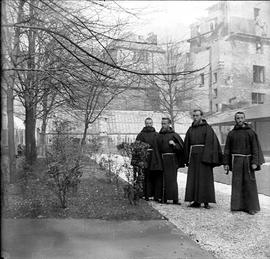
(169, 19)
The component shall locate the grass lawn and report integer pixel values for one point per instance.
(96, 198)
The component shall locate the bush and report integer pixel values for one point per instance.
(137, 153)
(64, 163)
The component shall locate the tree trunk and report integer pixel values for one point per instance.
(11, 142)
(5, 172)
(172, 118)
(30, 105)
(10, 86)
(43, 136)
(30, 132)
(44, 124)
(84, 134)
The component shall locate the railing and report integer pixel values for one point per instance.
(248, 27)
(242, 25)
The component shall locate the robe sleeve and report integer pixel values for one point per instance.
(257, 154)
(179, 142)
(156, 163)
(187, 146)
(227, 158)
(254, 150)
(179, 150)
(212, 153)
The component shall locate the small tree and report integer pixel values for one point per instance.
(64, 163)
(137, 153)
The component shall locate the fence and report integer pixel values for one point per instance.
(108, 141)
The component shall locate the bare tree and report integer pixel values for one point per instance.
(38, 24)
(10, 53)
(175, 90)
(73, 38)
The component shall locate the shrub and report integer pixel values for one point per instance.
(137, 153)
(64, 163)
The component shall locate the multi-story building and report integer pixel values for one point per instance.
(233, 41)
(137, 54)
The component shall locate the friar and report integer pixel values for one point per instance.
(202, 154)
(243, 156)
(153, 169)
(171, 148)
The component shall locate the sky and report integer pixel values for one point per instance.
(169, 19)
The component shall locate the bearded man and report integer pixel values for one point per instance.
(243, 156)
(170, 146)
(152, 172)
(202, 154)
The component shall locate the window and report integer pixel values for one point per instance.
(172, 70)
(256, 13)
(198, 35)
(216, 107)
(202, 79)
(141, 56)
(215, 92)
(258, 74)
(259, 49)
(215, 77)
(257, 98)
(212, 25)
(145, 57)
(187, 58)
(198, 29)
(232, 100)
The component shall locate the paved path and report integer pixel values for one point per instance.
(96, 239)
(223, 233)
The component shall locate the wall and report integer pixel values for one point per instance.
(233, 56)
(200, 94)
(235, 78)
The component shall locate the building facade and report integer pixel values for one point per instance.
(233, 42)
(137, 54)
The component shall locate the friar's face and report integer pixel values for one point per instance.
(148, 123)
(165, 124)
(197, 116)
(240, 119)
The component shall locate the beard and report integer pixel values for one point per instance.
(240, 123)
(196, 123)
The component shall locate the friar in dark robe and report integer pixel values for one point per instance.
(153, 167)
(243, 156)
(202, 154)
(171, 148)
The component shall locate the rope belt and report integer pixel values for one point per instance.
(192, 146)
(168, 154)
(240, 155)
(246, 156)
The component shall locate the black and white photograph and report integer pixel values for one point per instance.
(135, 129)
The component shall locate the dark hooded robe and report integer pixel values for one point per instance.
(172, 159)
(202, 154)
(153, 166)
(243, 149)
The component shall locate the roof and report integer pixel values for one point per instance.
(132, 122)
(256, 112)
(139, 46)
(119, 122)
